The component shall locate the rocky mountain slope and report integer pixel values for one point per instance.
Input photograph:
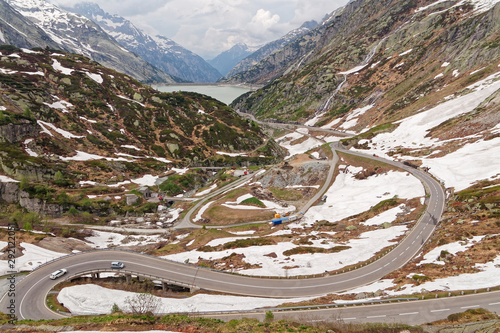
(400, 47)
(73, 33)
(65, 118)
(225, 61)
(15, 29)
(243, 72)
(159, 51)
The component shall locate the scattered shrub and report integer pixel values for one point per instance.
(115, 308)
(73, 211)
(254, 202)
(269, 317)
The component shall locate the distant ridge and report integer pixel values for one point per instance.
(225, 61)
(159, 51)
(265, 51)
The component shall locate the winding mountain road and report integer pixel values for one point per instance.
(32, 290)
(186, 223)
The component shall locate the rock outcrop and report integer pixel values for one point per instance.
(11, 194)
(13, 133)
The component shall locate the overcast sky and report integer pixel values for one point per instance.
(209, 27)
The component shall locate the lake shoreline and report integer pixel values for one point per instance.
(243, 85)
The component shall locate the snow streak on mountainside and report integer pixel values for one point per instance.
(74, 33)
(460, 161)
(158, 50)
(479, 5)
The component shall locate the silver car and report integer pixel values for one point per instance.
(117, 264)
(58, 273)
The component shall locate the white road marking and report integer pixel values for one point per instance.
(440, 310)
(470, 306)
(381, 316)
(494, 303)
(408, 313)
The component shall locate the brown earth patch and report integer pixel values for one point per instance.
(311, 250)
(366, 163)
(220, 215)
(239, 243)
(17, 251)
(271, 255)
(258, 228)
(234, 261)
(299, 140)
(299, 159)
(63, 245)
(23, 236)
(217, 214)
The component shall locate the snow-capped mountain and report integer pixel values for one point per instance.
(160, 51)
(225, 61)
(77, 34)
(15, 29)
(271, 47)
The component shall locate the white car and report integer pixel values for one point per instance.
(117, 264)
(58, 273)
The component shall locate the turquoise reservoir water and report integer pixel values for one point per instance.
(225, 94)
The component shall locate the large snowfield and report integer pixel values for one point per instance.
(93, 299)
(460, 169)
(361, 249)
(349, 196)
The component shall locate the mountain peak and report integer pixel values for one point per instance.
(91, 7)
(73, 32)
(158, 50)
(225, 61)
(309, 25)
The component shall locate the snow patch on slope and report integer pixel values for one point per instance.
(463, 167)
(93, 299)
